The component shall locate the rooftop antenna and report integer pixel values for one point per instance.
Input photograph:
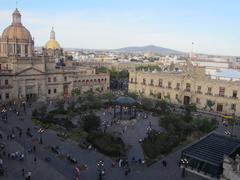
(191, 54)
(16, 4)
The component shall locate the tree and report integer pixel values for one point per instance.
(147, 103)
(188, 113)
(163, 105)
(91, 122)
(133, 95)
(210, 104)
(102, 70)
(109, 96)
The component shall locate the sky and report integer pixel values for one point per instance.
(213, 25)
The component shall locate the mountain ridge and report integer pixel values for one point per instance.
(149, 48)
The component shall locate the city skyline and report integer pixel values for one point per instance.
(109, 25)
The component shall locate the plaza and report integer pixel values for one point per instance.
(60, 168)
(58, 158)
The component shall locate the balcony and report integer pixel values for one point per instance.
(209, 94)
(187, 90)
(233, 97)
(199, 92)
(3, 71)
(6, 87)
(177, 88)
(169, 87)
(220, 95)
(151, 84)
(159, 86)
(133, 82)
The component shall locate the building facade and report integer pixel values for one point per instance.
(24, 75)
(189, 85)
(231, 168)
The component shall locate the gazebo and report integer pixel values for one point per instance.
(125, 108)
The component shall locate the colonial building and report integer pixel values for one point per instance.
(190, 84)
(24, 75)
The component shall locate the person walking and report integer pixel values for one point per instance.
(35, 160)
(23, 172)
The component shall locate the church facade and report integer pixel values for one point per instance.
(189, 85)
(25, 75)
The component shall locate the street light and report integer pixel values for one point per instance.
(183, 165)
(40, 131)
(100, 165)
(233, 122)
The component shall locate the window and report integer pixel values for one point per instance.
(209, 91)
(0, 96)
(233, 106)
(54, 79)
(176, 96)
(131, 80)
(219, 107)
(49, 79)
(159, 95)
(234, 94)
(152, 82)
(55, 91)
(49, 91)
(221, 91)
(199, 88)
(160, 83)
(151, 93)
(7, 95)
(6, 82)
(169, 85)
(65, 78)
(178, 86)
(197, 100)
(188, 87)
(144, 81)
(18, 49)
(26, 49)
(10, 49)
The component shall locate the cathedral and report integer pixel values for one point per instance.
(26, 75)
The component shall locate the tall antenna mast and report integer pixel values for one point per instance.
(192, 53)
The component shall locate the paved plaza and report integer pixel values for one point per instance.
(43, 163)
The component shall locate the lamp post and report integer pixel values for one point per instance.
(100, 165)
(40, 131)
(233, 122)
(184, 164)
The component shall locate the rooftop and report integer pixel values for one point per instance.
(212, 148)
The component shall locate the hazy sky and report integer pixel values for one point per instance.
(214, 25)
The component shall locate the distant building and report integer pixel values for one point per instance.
(27, 76)
(188, 85)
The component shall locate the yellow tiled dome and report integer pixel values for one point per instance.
(52, 44)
